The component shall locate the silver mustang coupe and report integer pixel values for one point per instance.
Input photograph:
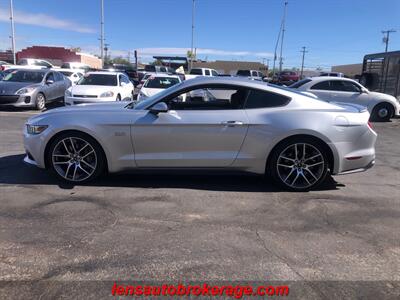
(206, 123)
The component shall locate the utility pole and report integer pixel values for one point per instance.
(386, 38)
(283, 35)
(302, 61)
(12, 31)
(102, 33)
(191, 49)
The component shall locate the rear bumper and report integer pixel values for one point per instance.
(369, 166)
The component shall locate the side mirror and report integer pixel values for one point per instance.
(123, 84)
(160, 107)
(49, 81)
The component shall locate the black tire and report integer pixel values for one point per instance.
(40, 101)
(118, 97)
(382, 112)
(77, 136)
(313, 147)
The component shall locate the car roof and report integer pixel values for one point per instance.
(324, 78)
(105, 73)
(163, 75)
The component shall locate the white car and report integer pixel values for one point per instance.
(72, 74)
(156, 83)
(382, 107)
(99, 87)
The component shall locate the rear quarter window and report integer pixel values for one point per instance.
(264, 99)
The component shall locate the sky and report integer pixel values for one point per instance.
(333, 31)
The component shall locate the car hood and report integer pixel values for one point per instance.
(382, 96)
(91, 89)
(150, 92)
(9, 88)
(71, 110)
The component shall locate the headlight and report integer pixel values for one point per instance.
(35, 129)
(107, 94)
(24, 91)
(68, 93)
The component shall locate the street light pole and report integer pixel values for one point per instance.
(386, 38)
(102, 33)
(302, 61)
(283, 35)
(191, 49)
(12, 31)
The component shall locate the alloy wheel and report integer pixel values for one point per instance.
(40, 102)
(300, 165)
(74, 159)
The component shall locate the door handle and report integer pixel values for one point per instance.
(232, 123)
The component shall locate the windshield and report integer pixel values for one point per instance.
(160, 82)
(24, 76)
(299, 83)
(149, 100)
(243, 73)
(98, 79)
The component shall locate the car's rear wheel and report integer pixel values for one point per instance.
(76, 157)
(40, 101)
(298, 164)
(382, 112)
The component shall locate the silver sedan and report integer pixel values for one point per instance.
(207, 123)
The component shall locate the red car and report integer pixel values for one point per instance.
(287, 77)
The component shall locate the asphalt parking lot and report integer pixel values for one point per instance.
(188, 227)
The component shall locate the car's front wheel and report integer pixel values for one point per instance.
(76, 157)
(298, 164)
(40, 101)
(382, 112)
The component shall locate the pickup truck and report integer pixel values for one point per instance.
(29, 63)
(195, 72)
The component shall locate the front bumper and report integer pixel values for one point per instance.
(26, 100)
(82, 100)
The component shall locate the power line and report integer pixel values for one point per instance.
(302, 61)
(386, 38)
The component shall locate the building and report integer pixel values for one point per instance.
(231, 66)
(6, 56)
(58, 55)
(349, 70)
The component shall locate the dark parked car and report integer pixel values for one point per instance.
(32, 88)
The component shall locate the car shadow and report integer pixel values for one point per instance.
(49, 106)
(15, 172)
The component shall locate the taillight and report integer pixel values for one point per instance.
(370, 125)
(2, 68)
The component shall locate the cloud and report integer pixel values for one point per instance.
(44, 20)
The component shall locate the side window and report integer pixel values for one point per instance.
(207, 72)
(50, 76)
(58, 76)
(344, 86)
(254, 74)
(210, 98)
(323, 85)
(263, 99)
(163, 69)
(214, 73)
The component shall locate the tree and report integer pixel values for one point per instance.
(156, 62)
(118, 60)
(76, 49)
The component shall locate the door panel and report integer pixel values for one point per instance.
(184, 138)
